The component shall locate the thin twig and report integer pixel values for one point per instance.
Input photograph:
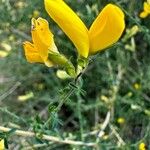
(121, 141)
(47, 137)
(71, 91)
(10, 91)
(12, 115)
(79, 114)
(37, 146)
(104, 125)
(65, 98)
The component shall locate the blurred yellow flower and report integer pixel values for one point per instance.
(137, 86)
(25, 97)
(6, 46)
(3, 53)
(142, 146)
(104, 98)
(36, 14)
(2, 147)
(4, 49)
(146, 10)
(121, 120)
(129, 94)
(105, 137)
(105, 30)
(20, 4)
(148, 1)
(40, 86)
(43, 42)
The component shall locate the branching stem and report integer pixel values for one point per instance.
(47, 137)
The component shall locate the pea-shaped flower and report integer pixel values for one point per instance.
(43, 48)
(43, 43)
(105, 30)
(146, 10)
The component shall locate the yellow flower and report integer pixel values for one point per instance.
(36, 13)
(137, 86)
(43, 43)
(70, 24)
(142, 146)
(105, 137)
(105, 30)
(25, 97)
(121, 120)
(104, 98)
(3, 53)
(146, 10)
(2, 147)
(129, 94)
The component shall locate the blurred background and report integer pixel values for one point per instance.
(117, 78)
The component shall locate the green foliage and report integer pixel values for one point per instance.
(116, 80)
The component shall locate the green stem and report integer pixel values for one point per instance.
(65, 98)
(62, 61)
(80, 115)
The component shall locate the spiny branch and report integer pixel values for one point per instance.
(48, 137)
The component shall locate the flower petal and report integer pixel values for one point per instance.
(143, 14)
(107, 28)
(31, 53)
(33, 56)
(2, 145)
(146, 7)
(42, 37)
(70, 23)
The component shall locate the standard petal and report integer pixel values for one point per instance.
(42, 37)
(146, 7)
(70, 23)
(107, 28)
(31, 53)
(143, 14)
